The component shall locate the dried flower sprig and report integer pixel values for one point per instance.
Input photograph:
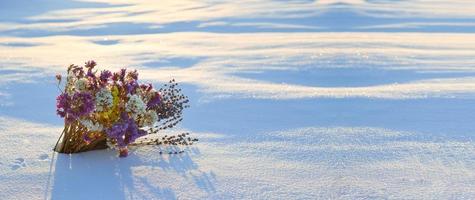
(112, 110)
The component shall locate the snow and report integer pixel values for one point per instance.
(346, 99)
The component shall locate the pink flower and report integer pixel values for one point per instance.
(123, 152)
(58, 77)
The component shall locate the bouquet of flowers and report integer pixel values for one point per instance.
(112, 110)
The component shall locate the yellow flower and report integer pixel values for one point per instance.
(111, 115)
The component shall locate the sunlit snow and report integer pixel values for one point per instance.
(326, 99)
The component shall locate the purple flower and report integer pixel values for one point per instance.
(131, 86)
(133, 132)
(90, 64)
(133, 75)
(78, 71)
(117, 131)
(122, 75)
(104, 77)
(62, 104)
(90, 74)
(82, 103)
(73, 107)
(146, 87)
(155, 100)
(115, 76)
(125, 131)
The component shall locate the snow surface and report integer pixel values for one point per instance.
(328, 99)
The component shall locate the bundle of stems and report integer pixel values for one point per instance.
(71, 140)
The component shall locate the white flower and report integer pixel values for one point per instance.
(135, 106)
(70, 83)
(81, 84)
(104, 99)
(91, 126)
(71, 77)
(150, 118)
